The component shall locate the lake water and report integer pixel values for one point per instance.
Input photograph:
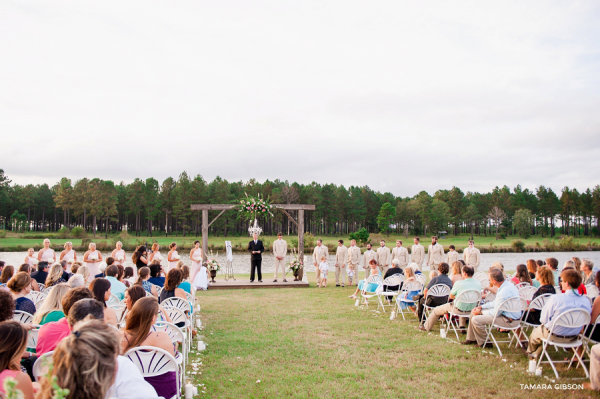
(241, 262)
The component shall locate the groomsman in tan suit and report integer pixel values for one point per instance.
(472, 256)
(417, 253)
(280, 251)
(384, 257)
(367, 257)
(435, 254)
(320, 251)
(401, 254)
(353, 261)
(452, 256)
(341, 258)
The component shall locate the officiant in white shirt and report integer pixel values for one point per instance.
(280, 252)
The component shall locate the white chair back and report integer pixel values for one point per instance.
(393, 281)
(32, 336)
(574, 318)
(469, 297)
(119, 310)
(36, 296)
(513, 305)
(439, 290)
(482, 278)
(412, 286)
(175, 314)
(41, 365)
(153, 362)
(526, 292)
(176, 302)
(22, 317)
(189, 297)
(539, 302)
(113, 301)
(171, 329)
(41, 286)
(522, 285)
(421, 278)
(592, 291)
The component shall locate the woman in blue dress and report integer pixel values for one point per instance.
(410, 277)
(372, 286)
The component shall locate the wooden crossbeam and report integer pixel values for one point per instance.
(220, 207)
(291, 218)
(217, 217)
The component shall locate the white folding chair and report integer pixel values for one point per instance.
(177, 336)
(177, 316)
(469, 298)
(370, 287)
(592, 291)
(574, 319)
(510, 305)
(22, 317)
(113, 300)
(119, 310)
(32, 336)
(526, 292)
(406, 288)
(158, 289)
(588, 342)
(521, 285)
(391, 281)
(537, 304)
(41, 286)
(36, 296)
(421, 279)
(41, 365)
(483, 279)
(153, 361)
(437, 291)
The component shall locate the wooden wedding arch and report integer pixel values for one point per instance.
(227, 207)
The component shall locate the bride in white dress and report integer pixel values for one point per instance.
(199, 272)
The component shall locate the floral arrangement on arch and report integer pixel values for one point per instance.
(253, 207)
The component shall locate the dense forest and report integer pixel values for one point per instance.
(148, 207)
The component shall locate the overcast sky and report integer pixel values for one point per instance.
(400, 96)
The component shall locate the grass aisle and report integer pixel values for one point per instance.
(315, 343)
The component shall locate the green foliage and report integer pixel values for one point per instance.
(2, 233)
(385, 218)
(522, 221)
(518, 246)
(78, 232)
(361, 236)
(64, 232)
(309, 240)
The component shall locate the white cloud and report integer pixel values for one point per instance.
(400, 96)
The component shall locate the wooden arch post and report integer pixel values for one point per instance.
(227, 207)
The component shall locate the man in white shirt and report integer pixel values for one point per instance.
(417, 253)
(353, 261)
(280, 251)
(401, 254)
(341, 258)
(367, 257)
(320, 251)
(383, 257)
(472, 256)
(129, 382)
(435, 254)
(452, 256)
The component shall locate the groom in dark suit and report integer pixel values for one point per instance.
(256, 248)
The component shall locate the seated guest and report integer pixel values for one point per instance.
(483, 316)
(54, 276)
(546, 278)
(433, 273)
(84, 271)
(42, 272)
(51, 333)
(595, 312)
(174, 278)
(116, 287)
(434, 301)
(371, 287)
(102, 267)
(129, 276)
(13, 342)
(7, 274)
(532, 269)
(555, 305)
(51, 309)
(589, 275)
(185, 277)
(456, 273)
(410, 295)
(85, 362)
(76, 280)
(540, 263)
(20, 286)
(7, 306)
(394, 269)
(135, 293)
(521, 275)
(75, 266)
(65, 274)
(121, 275)
(155, 277)
(571, 265)
(460, 286)
(138, 333)
(143, 277)
(552, 263)
(26, 267)
(100, 288)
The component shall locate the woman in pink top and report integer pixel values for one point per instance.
(30, 259)
(13, 342)
(47, 254)
(92, 259)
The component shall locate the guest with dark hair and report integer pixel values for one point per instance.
(434, 301)
(7, 274)
(155, 277)
(42, 272)
(7, 305)
(546, 278)
(100, 288)
(139, 257)
(521, 275)
(13, 342)
(116, 287)
(552, 263)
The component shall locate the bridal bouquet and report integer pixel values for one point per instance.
(253, 207)
(50, 261)
(93, 257)
(121, 258)
(176, 256)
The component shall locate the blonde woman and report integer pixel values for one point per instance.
(54, 276)
(92, 259)
(172, 256)
(68, 254)
(51, 309)
(85, 272)
(119, 254)
(46, 254)
(155, 253)
(30, 258)
(410, 276)
(456, 274)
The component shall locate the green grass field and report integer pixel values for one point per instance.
(240, 243)
(309, 342)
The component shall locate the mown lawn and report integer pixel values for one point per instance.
(310, 342)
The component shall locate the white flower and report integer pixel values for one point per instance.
(51, 260)
(176, 256)
(93, 257)
(121, 258)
